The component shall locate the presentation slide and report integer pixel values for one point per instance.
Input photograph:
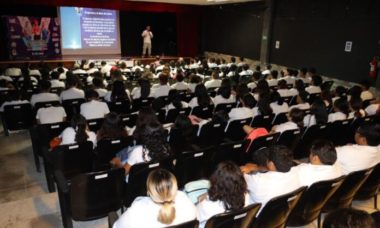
(87, 31)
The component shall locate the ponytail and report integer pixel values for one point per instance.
(166, 215)
(80, 125)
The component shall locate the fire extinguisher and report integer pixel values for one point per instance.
(373, 68)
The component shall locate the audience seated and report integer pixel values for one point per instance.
(245, 111)
(224, 96)
(14, 98)
(283, 88)
(180, 84)
(315, 87)
(272, 78)
(288, 77)
(341, 110)
(263, 106)
(277, 103)
(362, 155)
(228, 191)
(302, 75)
(215, 82)
(55, 82)
(118, 93)
(356, 106)
(112, 128)
(318, 114)
(72, 91)
(77, 132)
(93, 108)
(163, 206)
(44, 94)
(295, 121)
(348, 218)
(366, 94)
(52, 114)
(302, 101)
(142, 90)
(322, 164)
(201, 97)
(194, 81)
(99, 86)
(174, 101)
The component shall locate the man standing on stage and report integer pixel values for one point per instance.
(147, 37)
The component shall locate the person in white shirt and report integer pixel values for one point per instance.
(372, 109)
(118, 93)
(277, 178)
(301, 101)
(267, 71)
(315, 87)
(93, 109)
(55, 82)
(290, 80)
(228, 192)
(72, 92)
(215, 82)
(147, 36)
(362, 155)
(13, 99)
(194, 81)
(295, 121)
(246, 71)
(13, 71)
(224, 96)
(180, 84)
(99, 86)
(49, 115)
(92, 68)
(278, 105)
(164, 205)
(201, 97)
(322, 164)
(77, 132)
(283, 88)
(254, 80)
(341, 110)
(78, 70)
(44, 94)
(105, 68)
(357, 111)
(33, 71)
(162, 89)
(366, 94)
(142, 90)
(272, 78)
(60, 65)
(302, 75)
(174, 101)
(318, 114)
(244, 112)
(263, 106)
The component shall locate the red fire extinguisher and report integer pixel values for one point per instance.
(373, 68)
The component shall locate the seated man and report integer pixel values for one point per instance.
(280, 178)
(72, 92)
(322, 164)
(44, 95)
(315, 87)
(49, 115)
(55, 82)
(362, 155)
(215, 82)
(180, 84)
(93, 109)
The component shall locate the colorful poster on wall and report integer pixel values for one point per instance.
(33, 37)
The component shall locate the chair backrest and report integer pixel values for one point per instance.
(355, 124)
(289, 138)
(129, 120)
(94, 195)
(264, 121)
(193, 165)
(230, 151)
(17, 117)
(371, 186)
(235, 219)
(138, 175)
(45, 104)
(189, 224)
(137, 104)
(338, 132)
(234, 129)
(259, 142)
(173, 113)
(73, 159)
(225, 107)
(309, 135)
(47, 132)
(313, 97)
(343, 197)
(106, 149)
(216, 130)
(203, 112)
(72, 106)
(120, 106)
(312, 201)
(178, 141)
(279, 119)
(95, 124)
(186, 97)
(276, 211)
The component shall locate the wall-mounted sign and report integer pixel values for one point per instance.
(348, 46)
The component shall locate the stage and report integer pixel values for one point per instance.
(69, 60)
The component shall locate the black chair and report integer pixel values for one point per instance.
(312, 201)
(69, 159)
(338, 132)
(256, 144)
(312, 97)
(370, 187)
(72, 107)
(234, 129)
(342, 198)
(180, 142)
(216, 130)
(264, 121)
(229, 151)
(17, 117)
(309, 135)
(89, 196)
(173, 113)
(186, 97)
(355, 124)
(225, 107)
(161, 115)
(193, 165)
(119, 106)
(287, 99)
(326, 85)
(235, 219)
(203, 112)
(106, 149)
(276, 211)
(137, 104)
(280, 118)
(138, 175)
(95, 124)
(45, 104)
(289, 138)
(129, 120)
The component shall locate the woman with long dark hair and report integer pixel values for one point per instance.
(174, 101)
(118, 92)
(201, 97)
(112, 128)
(318, 114)
(278, 104)
(77, 132)
(143, 90)
(341, 110)
(263, 106)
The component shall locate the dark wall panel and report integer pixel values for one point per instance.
(316, 36)
(233, 29)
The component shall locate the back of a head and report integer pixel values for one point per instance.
(303, 70)
(341, 91)
(71, 80)
(355, 91)
(174, 98)
(282, 84)
(274, 74)
(319, 110)
(317, 80)
(228, 185)
(54, 75)
(98, 82)
(202, 95)
(262, 86)
(296, 115)
(325, 150)
(342, 105)
(144, 86)
(356, 105)
(264, 104)
(300, 85)
(164, 78)
(162, 189)
(276, 97)
(249, 101)
(225, 91)
(371, 133)
(45, 85)
(304, 96)
(179, 77)
(79, 123)
(348, 218)
(281, 157)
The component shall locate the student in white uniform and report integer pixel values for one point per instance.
(277, 104)
(215, 82)
(180, 84)
(164, 205)
(356, 106)
(49, 115)
(13, 71)
(341, 110)
(295, 121)
(277, 178)
(318, 114)
(224, 96)
(351, 218)
(142, 90)
(302, 75)
(263, 106)
(78, 132)
(244, 112)
(55, 82)
(174, 101)
(93, 108)
(272, 78)
(201, 97)
(322, 164)
(44, 94)
(118, 93)
(283, 88)
(162, 89)
(301, 101)
(315, 87)
(105, 68)
(72, 92)
(362, 155)
(99, 86)
(228, 191)
(366, 94)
